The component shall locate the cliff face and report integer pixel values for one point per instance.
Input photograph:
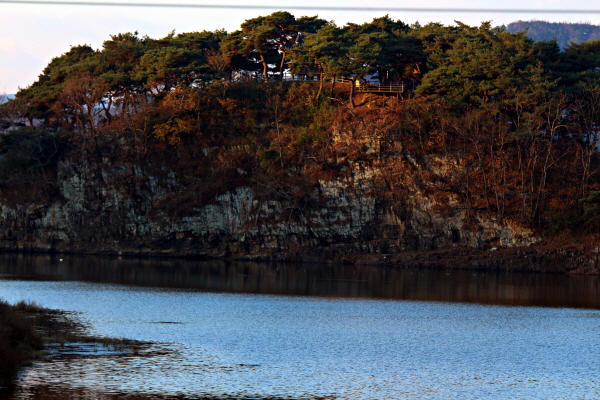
(113, 210)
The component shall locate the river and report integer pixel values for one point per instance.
(259, 331)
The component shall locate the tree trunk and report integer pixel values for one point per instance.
(106, 108)
(351, 99)
(282, 64)
(320, 83)
(265, 68)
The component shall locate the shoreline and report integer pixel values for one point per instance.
(558, 255)
(59, 336)
(80, 392)
(28, 333)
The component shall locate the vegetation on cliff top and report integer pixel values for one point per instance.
(499, 124)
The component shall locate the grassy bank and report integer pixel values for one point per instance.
(26, 330)
(20, 341)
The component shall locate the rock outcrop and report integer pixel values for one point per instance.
(104, 209)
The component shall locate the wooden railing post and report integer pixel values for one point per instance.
(389, 87)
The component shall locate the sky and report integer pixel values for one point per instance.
(32, 34)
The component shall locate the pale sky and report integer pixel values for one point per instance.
(31, 35)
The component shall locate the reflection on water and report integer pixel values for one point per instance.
(256, 331)
(529, 289)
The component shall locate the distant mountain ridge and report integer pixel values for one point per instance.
(563, 32)
(5, 97)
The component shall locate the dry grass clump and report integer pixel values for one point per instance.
(26, 329)
(20, 342)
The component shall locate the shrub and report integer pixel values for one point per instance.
(19, 341)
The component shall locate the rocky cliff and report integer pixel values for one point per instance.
(106, 209)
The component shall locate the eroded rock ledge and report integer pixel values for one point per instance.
(347, 220)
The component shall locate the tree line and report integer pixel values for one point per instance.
(460, 64)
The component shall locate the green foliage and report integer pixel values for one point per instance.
(575, 220)
(566, 221)
(42, 96)
(400, 55)
(308, 24)
(583, 58)
(268, 157)
(463, 66)
(28, 155)
(261, 37)
(473, 66)
(591, 211)
(519, 117)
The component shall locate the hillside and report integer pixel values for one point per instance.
(216, 144)
(563, 32)
(6, 97)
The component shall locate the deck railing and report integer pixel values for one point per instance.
(361, 85)
(385, 87)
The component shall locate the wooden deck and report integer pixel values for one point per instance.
(385, 87)
(360, 86)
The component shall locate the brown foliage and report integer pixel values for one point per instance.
(515, 160)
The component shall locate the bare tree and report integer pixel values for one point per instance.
(12, 113)
(82, 97)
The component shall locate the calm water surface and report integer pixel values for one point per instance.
(240, 330)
